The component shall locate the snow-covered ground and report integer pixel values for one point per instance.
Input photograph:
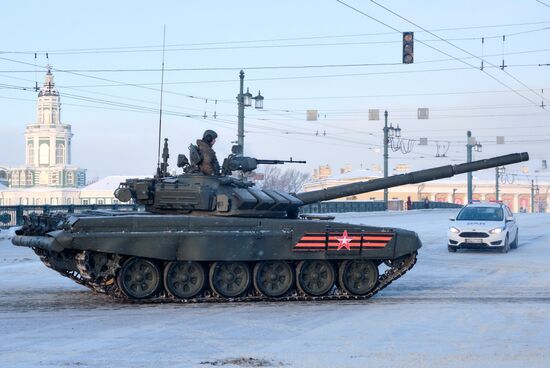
(469, 309)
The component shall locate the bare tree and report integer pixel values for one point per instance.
(288, 180)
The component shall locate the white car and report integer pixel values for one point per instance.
(483, 226)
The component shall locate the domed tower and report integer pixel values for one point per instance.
(48, 146)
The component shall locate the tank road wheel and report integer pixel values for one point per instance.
(229, 279)
(139, 278)
(358, 277)
(273, 278)
(315, 277)
(184, 279)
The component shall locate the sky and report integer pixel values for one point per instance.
(341, 58)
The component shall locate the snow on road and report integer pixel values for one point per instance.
(469, 309)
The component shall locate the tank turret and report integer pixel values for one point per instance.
(224, 195)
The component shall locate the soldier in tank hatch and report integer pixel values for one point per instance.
(209, 164)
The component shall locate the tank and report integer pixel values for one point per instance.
(218, 238)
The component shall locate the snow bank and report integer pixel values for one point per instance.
(8, 233)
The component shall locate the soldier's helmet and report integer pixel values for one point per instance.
(209, 136)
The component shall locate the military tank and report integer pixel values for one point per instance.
(218, 238)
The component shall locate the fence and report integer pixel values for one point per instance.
(13, 215)
(368, 206)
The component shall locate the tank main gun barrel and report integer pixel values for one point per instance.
(410, 178)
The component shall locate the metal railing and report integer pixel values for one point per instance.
(13, 215)
(369, 206)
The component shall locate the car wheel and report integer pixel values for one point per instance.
(506, 247)
(451, 249)
(514, 245)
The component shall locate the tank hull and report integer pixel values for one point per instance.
(95, 250)
(210, 238)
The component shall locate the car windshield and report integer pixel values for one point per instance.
(480, 213)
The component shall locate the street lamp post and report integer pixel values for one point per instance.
(245, 100)
(389, 132)
(499, 172)
(534, 193)
(469, 146)
(386, 157)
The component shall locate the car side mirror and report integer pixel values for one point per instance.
(451, 218)
(509, 218)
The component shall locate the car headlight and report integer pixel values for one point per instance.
(496, 230)
(453, 229)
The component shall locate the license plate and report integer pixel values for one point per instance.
(476, 241)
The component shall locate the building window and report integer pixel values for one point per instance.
(60, 154)
(44, 154)
(85, 201)
(28, 178)
(100, 201)
(70, 178)
(54, 178)
(30, 153)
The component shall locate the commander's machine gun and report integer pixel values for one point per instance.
(233, 162)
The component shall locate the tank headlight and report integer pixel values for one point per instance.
(453, 229)
(496, 230)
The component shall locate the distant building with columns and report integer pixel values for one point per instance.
(47, 147)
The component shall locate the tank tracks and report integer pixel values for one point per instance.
(104, 282)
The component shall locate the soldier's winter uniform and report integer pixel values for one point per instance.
(209, 164)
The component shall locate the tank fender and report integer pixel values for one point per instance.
(41, 242)
(405, 242)
(63, 238)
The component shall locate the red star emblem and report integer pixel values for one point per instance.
(344, 241)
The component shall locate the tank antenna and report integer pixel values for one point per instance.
(161, 91)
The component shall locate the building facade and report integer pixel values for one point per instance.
(519, 196)
(100, 192)
(47, 147)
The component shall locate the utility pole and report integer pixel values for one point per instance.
(386, 142)
(454, 195)
(499, 171)
(469, 146)
(532, 196)
(534, 192)
(496, 183)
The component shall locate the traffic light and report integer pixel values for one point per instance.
(408, 47)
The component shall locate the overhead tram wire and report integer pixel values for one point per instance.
(270, 67)
(101, 94)
(122, 106)
(300, 45)
(141, 108)
(157, 47)
(113, 81)
(436, 49)
(219, 122)
(461, 49)
(347, 112)
(275, 131)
